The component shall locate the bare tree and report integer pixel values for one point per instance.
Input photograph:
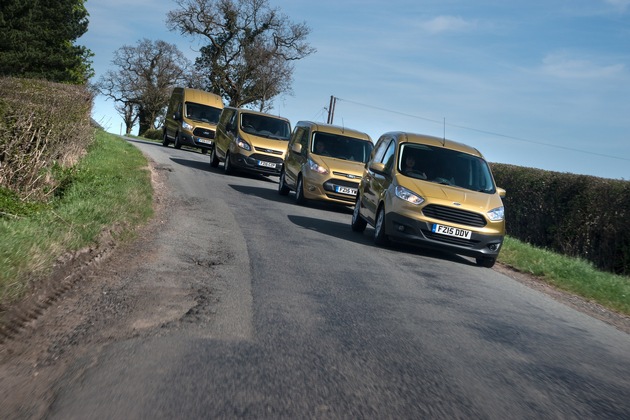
(250, 51)
(142, 85)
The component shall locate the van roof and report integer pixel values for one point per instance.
(335, 129)
(202, 97)
(434, 141)
(251, 111)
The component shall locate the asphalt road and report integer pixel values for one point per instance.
(261, 308)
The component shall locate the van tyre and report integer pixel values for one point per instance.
(487, 262)
(299, 192)
(358, 223)
(380, 238)
(165, 140)
(214, 160)
(178, 144)
(282, 186)
(227, 165)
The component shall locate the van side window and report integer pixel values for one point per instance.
(388, 158)
(379, 152)
(303, 138)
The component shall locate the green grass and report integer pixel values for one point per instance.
(574, 275)
(110, 187)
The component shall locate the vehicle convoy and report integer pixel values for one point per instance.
(191, 118)
(431, 192)
(324, 162)
(250, 141)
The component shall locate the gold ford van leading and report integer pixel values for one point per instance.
(434, 193)
(324, 162)
(250, 141)
(191, 118)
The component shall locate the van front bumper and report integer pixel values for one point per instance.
(258, 163)
(419, 232)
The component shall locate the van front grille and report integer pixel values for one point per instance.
(454, 215)
(267, 158)
(265, 150)
(204, 132)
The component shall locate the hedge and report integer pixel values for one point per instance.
(576, 215)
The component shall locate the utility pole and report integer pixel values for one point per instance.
(331, 109)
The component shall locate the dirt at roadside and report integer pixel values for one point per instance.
(89, 302)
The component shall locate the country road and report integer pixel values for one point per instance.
(237, 303)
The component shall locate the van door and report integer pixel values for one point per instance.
(294, 160)
(225, 132)
(376, 183)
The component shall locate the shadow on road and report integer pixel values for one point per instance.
(344, 231)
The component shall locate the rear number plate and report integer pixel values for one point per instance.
(345, 190)
(266, 164)
(451, 231)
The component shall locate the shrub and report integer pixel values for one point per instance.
(44, 129)
(576, 215)
(153, 134)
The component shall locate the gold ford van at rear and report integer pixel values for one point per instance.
(191, 118)
(250, 141)
(324, 162)
(431, 192)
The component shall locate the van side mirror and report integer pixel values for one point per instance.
(297, 148)
(377, 167)
(177, 116)
(501, 192)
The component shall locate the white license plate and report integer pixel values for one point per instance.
(205, 141)
(345, 190)
(451, 231)
(266, 164)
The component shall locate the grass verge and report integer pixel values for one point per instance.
(573, 275)
(111, 186)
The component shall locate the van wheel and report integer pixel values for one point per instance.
(299, 192)
(282, 186)
(214, 160)
(486, 262)
(165, 140)
(380, 238)
(358, 223)
(204, 151)
(227, 165)
(178, 144)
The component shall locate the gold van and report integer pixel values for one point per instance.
(324, 162)
(431, 192)
(250, 141)
(191, 118)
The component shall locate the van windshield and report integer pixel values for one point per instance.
(445, 166)
(203, 113)
(341, 147)
(265, 126)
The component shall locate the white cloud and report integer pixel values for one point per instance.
(618, 4)
(444, 23)
(562, 66)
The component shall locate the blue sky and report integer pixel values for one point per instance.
(537, 83)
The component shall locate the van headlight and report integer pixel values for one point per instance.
(408, 195)
(497, 214)
(314, 166)
(187, 126)
(243, 144)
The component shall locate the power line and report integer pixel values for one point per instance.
(443, 122)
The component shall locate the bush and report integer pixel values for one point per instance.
(575, 215)
(44, 130)
(153, 134)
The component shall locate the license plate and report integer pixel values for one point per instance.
(345, 190)
(266, 164)
(204, 141)
(451, 231)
